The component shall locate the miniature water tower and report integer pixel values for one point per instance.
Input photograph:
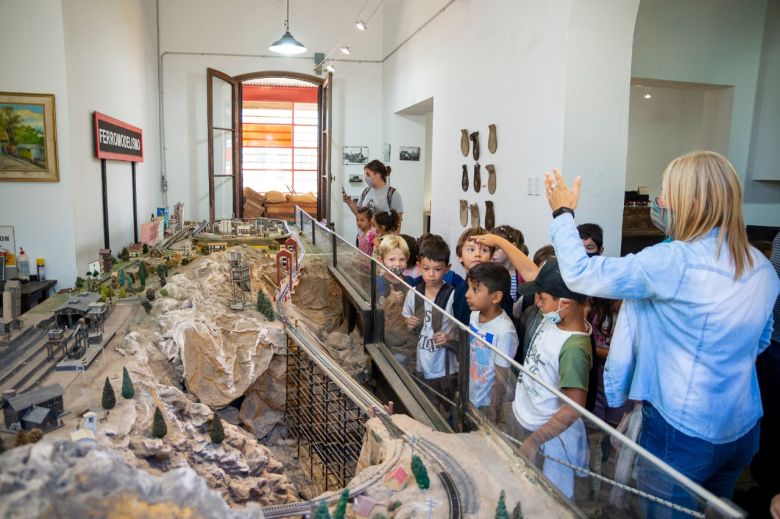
(239, 280)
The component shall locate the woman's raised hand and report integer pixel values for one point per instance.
(558, 193)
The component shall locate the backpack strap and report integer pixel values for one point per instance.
(363, 196)
(390, 193)
(441, 301)
(419, 310)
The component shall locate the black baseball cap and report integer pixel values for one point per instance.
(548, 280)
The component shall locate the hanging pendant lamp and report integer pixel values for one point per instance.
(287, 44)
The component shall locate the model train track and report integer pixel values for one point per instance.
(22, 354)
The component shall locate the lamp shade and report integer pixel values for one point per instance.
(287, 45)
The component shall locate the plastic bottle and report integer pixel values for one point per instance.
(23, 265)
(41, 263)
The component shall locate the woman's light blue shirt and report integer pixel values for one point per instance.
(688, 334)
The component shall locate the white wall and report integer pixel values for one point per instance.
(672, 122)
(236, 42)
(762, 197)
(716, 42)
(41, 212)
(501, 62)
(122, 85)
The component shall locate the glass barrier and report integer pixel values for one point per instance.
(468, 376)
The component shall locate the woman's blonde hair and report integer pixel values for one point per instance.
(702, 192)
(390, 243)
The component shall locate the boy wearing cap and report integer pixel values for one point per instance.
(560, 355)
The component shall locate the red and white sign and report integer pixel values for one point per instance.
(117, 140)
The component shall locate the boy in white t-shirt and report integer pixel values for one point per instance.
(559, 354)
(489, 373)
(434, 361)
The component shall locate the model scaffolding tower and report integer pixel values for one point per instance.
(239, 280)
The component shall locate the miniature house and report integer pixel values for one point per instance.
(135, 250)
(284, 263)
(39, 408)
(397, 479)
(365, 507)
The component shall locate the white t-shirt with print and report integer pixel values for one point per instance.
(534, 405)
(500, 333)
(430, 357)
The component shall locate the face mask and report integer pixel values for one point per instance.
(660, 216)
(398, 271)
(554, 317)
(591, 254)
(369, 181)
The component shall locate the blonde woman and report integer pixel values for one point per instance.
(698, 311)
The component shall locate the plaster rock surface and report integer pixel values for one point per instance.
(67, 479)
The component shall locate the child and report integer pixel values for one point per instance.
(470, 253)
(516, 238)
(488, 282)
(452, 277)
(431, 325)
(385, 224)
(530, 318)
(412, 269)
(393, 253)
(366, 231)
(560, 355)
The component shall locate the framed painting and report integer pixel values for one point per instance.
(28, 138)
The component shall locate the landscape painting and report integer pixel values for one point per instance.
(28, 141)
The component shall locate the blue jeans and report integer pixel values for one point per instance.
(715, 467)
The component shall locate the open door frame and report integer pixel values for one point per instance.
(325, 99)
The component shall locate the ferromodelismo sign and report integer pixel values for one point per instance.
(117, 140)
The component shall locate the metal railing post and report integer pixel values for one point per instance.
(333, 243)
(463, 357)
(313, 234)
(372, 297)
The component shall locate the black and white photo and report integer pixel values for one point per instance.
(409, 153)
(386, 153)
(355, 154)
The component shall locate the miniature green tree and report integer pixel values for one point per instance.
(130, 279)
(166, 269)
(420, 473)
(216, 432)
(146, 249)
(341, 507)
(109, 292)
(322, 511)
(79, 282)
(120, 278)
(264, 306)
(517, 512)
(122, 293)
(124, 255)
(128, 391)
(161, 274)
(501, 512)
(159, 429)
(109, 399)
(142, 273)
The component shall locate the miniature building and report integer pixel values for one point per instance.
(106, 261)
(364, 506)
(184, 247)
(239, 280)
(56, 343)
(90, 421)
(136, 250)
(284, 266)
(214, 246)
(245, 229)
(397, 479)
(178, 217)
(291, 245)
(82, 436)
(12, 305)
(156, 252)
(38, 408)
(225, 227)
(152, 231)
(77, 307)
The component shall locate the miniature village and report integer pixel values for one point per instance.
(179, 362)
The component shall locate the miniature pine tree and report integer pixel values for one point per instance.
(264, 306)
(79, 282)
(124, 255)
(501, 512)
(322, 511)
(142, 273)
(420, 473)
(21, 438)
(109, 399)
(216, 432)
(159, 429)
(128, 391)
(146, 249)
(35, 435)
(341, 507)
(517, 513)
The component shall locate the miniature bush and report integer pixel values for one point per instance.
(163, 292)
(517, 513)
(159, 429)
(216, 432)
(322, 511)
(420, 473)
(79, 282)
(264, 305)
(109, 399)
(128, 391)
(146, 249)
(35, 435)
(21, 438)
(501, 512)
(122, 293)
(341, 507)
(150, 294)
(185, 261)
(124, 255)
(147, 305)
(395, 505)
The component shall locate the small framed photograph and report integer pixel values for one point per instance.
(386, 153)
(355, 154)
(409, 153)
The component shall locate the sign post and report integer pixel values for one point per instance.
(117, 140)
